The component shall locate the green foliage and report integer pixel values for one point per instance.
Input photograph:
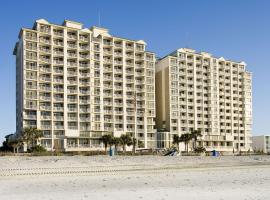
(30, 135)
(199, 150)
(140, 144)
(106, 140)
(126, 140)
(6, 147)
(38, 149)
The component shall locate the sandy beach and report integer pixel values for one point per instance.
(139, 177)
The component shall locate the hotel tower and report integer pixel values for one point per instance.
(76, 84)
(197, 91)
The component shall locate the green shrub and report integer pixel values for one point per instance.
(38, 149)
(199, 150)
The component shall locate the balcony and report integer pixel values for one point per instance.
(57, 71)
(58, 43)
(45, 41)
(45, 127)
(129, 80)
(118, 105)
(130, 129)
(58, 118)
(128, 47)
(108, 129)
(84, 65)
(31, 47)
(118, 78)
(71, 100)
(107, 52)
(71, 91)
(72, 55)
(72, 82)
(29, 37)
(118, 95)
(84, 56)
(107, 78)
(107, 61)
(71, 73)
(48, 79)
(84, 101)
(45, 107)
(119, 45)
(31, 67)
(72, 118)
(72, 109)
(30, 117)
(45, 70)
(85, 74)
(58, 33)
(58, 99)
(118, 54)
(45, 98)
(107, 43)
(85, 128)
(31, 77)
(72, 36)
(118, 62)
(46, 117)
(118, 70)
(73, 46)
(27, 106)
(58, 62)
(31, 57)
(58, 127)
(85, 119)
(107, 94)
(58, 108)
(84, 110)
(85, 91)
(58, 89)
(58, 80)
(108, 111)
(84, 38)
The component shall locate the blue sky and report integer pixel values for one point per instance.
(238, 30)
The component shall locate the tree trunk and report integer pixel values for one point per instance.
(133, 149)
(105, 149)
(187, 147)
(124, 148)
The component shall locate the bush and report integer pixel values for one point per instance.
(199, 150)
(38, 149)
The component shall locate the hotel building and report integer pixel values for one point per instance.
(261, 143)
(76, 84)
(196, 91)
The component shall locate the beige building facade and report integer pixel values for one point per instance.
(76, 84)
(261, 143)
(197, 91)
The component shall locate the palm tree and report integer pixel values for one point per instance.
(176, 141)
(186, 137)
(15, 144)
(31, 135)
(195, 134)
(126, 140)
(116, 141)
(134, 143)
(106, 139)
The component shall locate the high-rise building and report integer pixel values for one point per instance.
(261, 143)
(76, 84)
(196, 91)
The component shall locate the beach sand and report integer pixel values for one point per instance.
(138, 177)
